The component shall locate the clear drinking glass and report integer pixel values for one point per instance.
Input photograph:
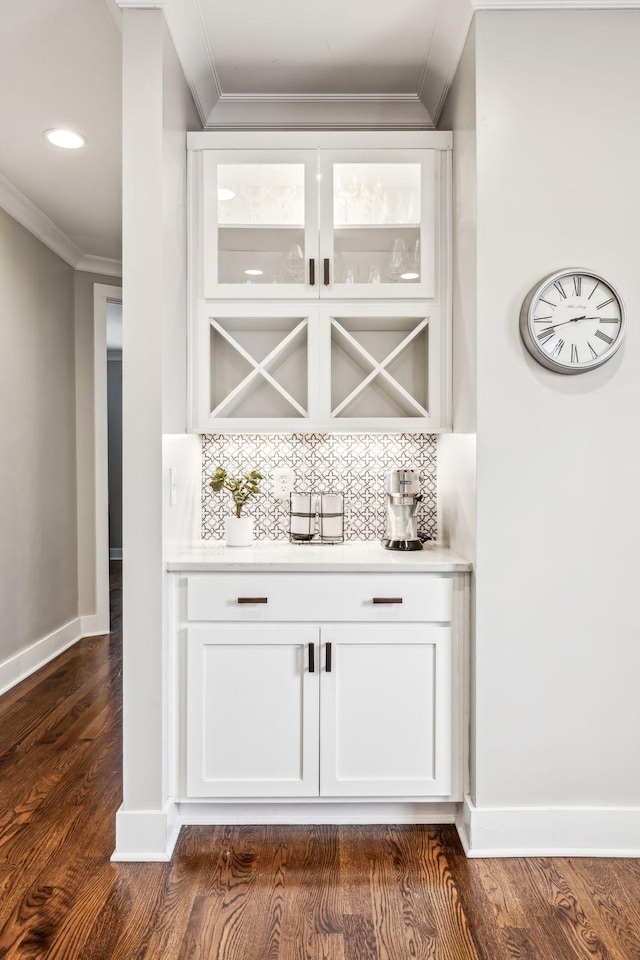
(398, 259)
(293, 262)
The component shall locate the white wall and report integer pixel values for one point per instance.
(157, 110)
(457, 451)
(38, 553)
(558, 632)
(85, 439)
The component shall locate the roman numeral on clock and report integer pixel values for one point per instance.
(546, 334)
(560, 289)
(577, 286)
(605, 303)
(604, 336)
(574, 354)
(557, 350)
(548, 303)
(592, 351)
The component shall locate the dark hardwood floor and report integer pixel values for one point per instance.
(257, 893)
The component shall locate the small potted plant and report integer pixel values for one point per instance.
(238, 530)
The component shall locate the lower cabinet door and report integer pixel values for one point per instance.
(386, 707)
(252, 711)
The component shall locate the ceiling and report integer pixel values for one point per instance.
(60, 66)
(284, 64)
(250, 64)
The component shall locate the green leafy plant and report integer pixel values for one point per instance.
(241, 488)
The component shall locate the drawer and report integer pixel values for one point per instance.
(380, 597)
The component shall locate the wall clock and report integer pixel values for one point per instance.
(572, 321)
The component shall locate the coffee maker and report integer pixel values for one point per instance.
(401, 522)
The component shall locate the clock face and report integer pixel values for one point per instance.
(572, 321)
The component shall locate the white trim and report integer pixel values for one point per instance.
(327, 139)
(313, 812)
(93, 626)
(22, 664)
(146, 835)
(101, 294)
(555, 4)
(549, 831)
(36, 222)
(102, 265)
(26, 213)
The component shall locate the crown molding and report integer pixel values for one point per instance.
(36, 222)
(445, 49)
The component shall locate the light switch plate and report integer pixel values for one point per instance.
(282, 483)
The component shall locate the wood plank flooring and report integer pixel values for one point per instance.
(257, 893)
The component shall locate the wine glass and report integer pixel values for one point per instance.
(348, 188)
(254, 193)
(398, 259)
(372, 191)
(282, 193)
(393, 207)
(293, 262)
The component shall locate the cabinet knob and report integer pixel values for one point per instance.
(387, 599)
(253, 600)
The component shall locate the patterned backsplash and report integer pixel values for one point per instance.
(354, 464)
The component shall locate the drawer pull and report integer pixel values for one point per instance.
(327, 663)
(253, 600)
(312, 272)
(312, 658)
(387, 599)
(326, 272)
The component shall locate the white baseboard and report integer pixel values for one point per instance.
(315, 813)
(549, 831)
(115, 553)
(22, 664)
(146, 835)
(95, 625)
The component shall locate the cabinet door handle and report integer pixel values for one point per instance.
(326, 272)
(312, 272)
(312, 658)
(253, 600)
(327, 663)
(387, 599)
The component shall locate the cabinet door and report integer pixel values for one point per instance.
(255, 367)
(258, 228)
(379, 222)
(387, 367)
(386, 705)
(252, 711)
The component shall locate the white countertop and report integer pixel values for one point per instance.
(281, 556)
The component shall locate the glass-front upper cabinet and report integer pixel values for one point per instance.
(378, 218)
(259, 224)
(303, 224)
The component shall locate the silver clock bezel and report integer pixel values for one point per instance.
(527, 331)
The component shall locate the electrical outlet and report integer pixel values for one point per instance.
(282, 483)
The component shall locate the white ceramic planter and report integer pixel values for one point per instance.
(238, 531)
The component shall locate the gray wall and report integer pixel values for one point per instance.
(558, 634)
(83, 286)
(38, 524)
(114, 405)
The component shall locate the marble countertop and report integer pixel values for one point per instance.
(281, 556)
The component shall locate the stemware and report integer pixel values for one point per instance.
(254, 193)
(393, 206)
(398, 259)
(348, 188)
(293, 262)
(372, 191)
(282, 193)
(412, 271)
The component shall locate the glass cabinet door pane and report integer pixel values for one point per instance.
(376, 223)
(378, 216)
(261, 223)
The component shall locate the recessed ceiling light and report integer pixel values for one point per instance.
(409, 276)
(225, 194)
(253, 273)
(65, 138)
